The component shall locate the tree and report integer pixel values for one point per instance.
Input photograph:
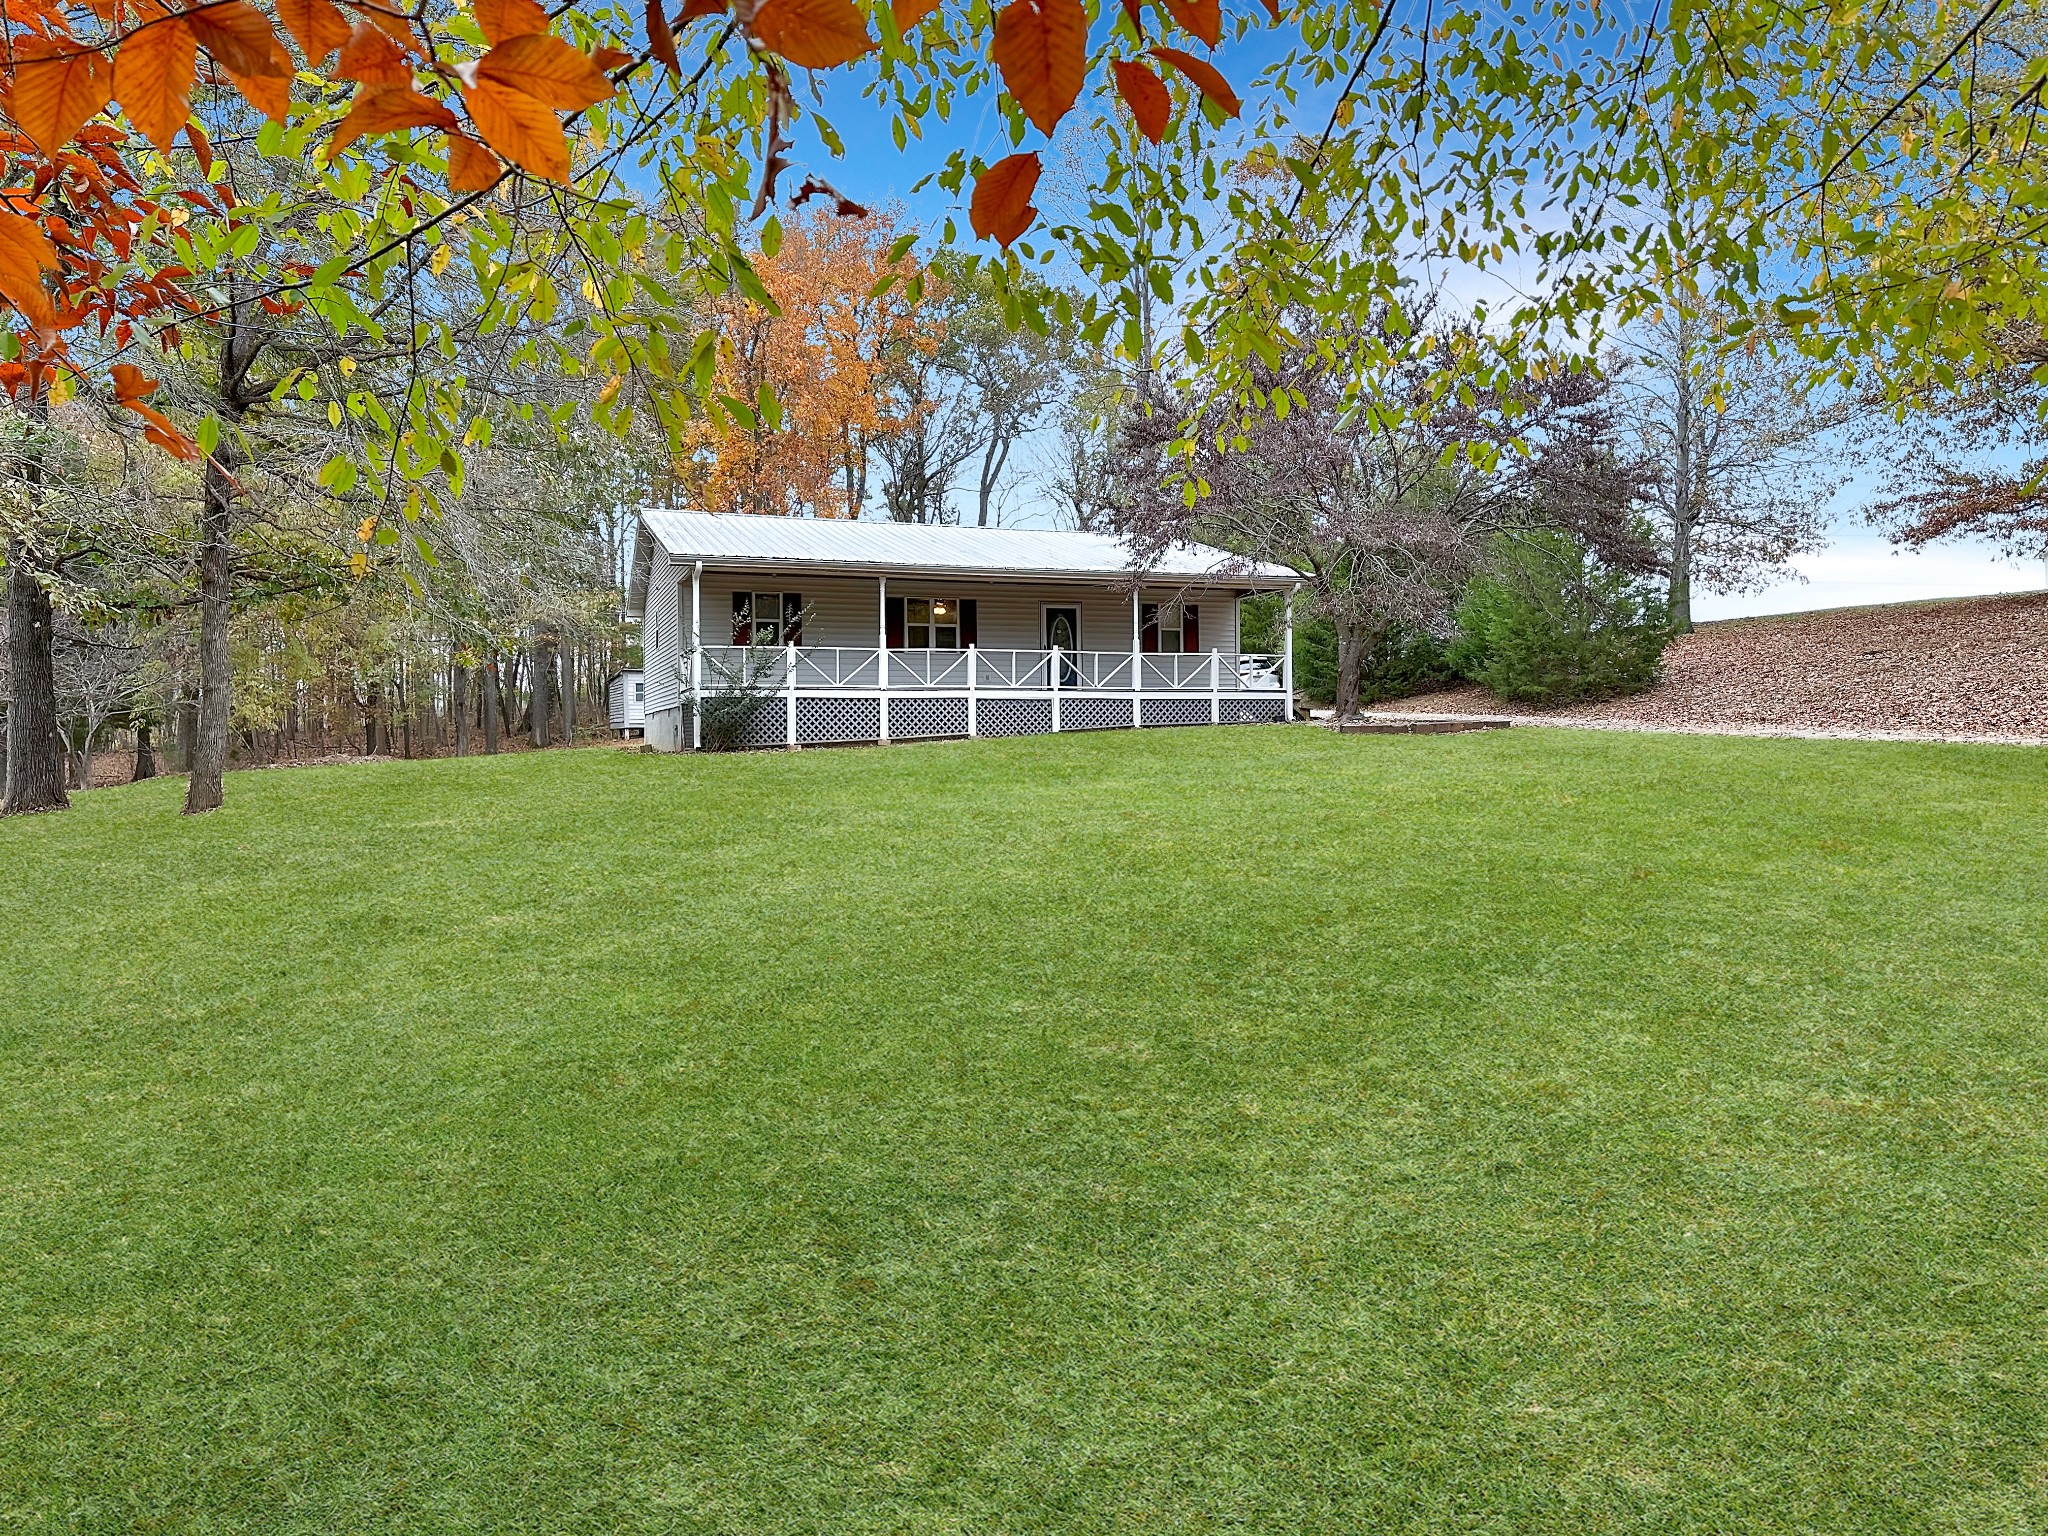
(815, 372)
(1382, 497)
(1743, 461)
(1008, 374)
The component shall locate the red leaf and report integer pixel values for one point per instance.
(1001, 208)
(1203, 18)
(812, 34)
(1205, 77)
(1135, 9)
(372, 58)
(1147, 97)
(239, 36)
(661, 39)
(909, 13)
(318, 25)
(1041, 47)
(131, 383)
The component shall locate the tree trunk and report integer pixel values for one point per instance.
(203, 792)
(145, 754)
(36, 758)
(494, 700)
(404, 713)
(1684, 510)
(537, 699)
(373, 714)
(1352, 638)
(569, 697)
(458, 705)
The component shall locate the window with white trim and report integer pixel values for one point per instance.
(931, 623)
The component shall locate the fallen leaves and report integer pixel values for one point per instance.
(1041, 47)
(1001, 207)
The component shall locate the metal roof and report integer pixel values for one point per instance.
(815, 543)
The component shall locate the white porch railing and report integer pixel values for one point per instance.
(853, 669)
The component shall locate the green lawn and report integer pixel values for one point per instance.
(1241, 1131)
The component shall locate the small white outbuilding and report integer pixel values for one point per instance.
(628, 695)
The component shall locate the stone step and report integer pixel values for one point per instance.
(1422, 725)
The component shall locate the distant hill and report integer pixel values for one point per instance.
(1973, 666)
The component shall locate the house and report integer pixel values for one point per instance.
(844, 631)
(627, 695)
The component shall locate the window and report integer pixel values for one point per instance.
(1171, 627)
(639, 693)
(767, 618)
(931, 623)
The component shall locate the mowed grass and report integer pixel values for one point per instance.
(1240, 1130)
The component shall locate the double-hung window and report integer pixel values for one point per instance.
(1169, 627)
(767, 618)
(931, 623)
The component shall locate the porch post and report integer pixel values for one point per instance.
(1215, 687)
(882, 655)
(1287, 656)
(789, 686)
(973, 725)
(696, 657)
(1055, 690)
(1137, 665)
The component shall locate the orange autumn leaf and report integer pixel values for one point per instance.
(131, 383)
(813, 34)
(519, 128)
(153, 79)
(661, 38)
(239, 37)
(471, 167)
(386, 109)
(692, 9)
(1204, 76)
(1041, 47)
(547, 69)
(909, 13)
(57, 86)
(608, 58)
(318, 25)
(1146, 95)
(1202, 18)
(503, 19)
(372, 58)
(25, 255)
(1001, 207)
(269, 93)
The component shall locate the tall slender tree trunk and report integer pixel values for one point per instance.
(458, 705)
(494, 703)
(36, 758)
(405, 702)
(203, 792)
(538, 703)
(145, 754)
(569, 684)
(1684, 499)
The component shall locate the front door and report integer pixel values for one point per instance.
(1063, 634)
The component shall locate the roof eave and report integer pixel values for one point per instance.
(1265, 582)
